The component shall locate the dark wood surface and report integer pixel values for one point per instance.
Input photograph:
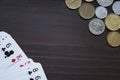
(58, 38)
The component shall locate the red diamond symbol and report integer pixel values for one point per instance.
(13, 60)
(21, 65)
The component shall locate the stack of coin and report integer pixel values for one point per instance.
(97, 25)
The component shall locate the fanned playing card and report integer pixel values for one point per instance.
(15, 64)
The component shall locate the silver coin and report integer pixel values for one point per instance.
(96, 26)
(105, 3)
(101, 12)
(116, 7)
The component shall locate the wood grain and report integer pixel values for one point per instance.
(58, 38)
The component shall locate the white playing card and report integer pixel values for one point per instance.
(17, 65)
(36, 75)
(19, 68)
(14, 64)
(10, 51)
(33, 72)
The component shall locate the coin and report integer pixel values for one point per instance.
(116, 7)
(89, 0)
(101, 12)
(96, 26)
(112, 22)
(86, 10)
(73, 4)
(113, 39)
(105, 3)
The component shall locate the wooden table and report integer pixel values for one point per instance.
(58, 38)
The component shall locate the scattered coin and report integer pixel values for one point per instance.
(96, 26)
(86, 10)
(112, 22)
(101, 12)
(73, 4)
(113, 39)
(89, 0)
(116, 7)
(105, 3)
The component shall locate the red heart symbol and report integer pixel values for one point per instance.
(13, 60)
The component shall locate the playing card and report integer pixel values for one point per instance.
(17, 65)
(14, 64)
(10, 51)
(16, 69)
(33, 72)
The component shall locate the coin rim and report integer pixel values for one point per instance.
(108, 40)
(106, 11)
(114, 10)
(84, 4)
(103, 26)
(109, 27)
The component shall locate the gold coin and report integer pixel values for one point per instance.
(113, 39)
(86, 10)
(112, 22)
(73, 4)
(89, 0)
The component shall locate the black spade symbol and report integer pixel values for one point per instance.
(29, 72)
(3, 49)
